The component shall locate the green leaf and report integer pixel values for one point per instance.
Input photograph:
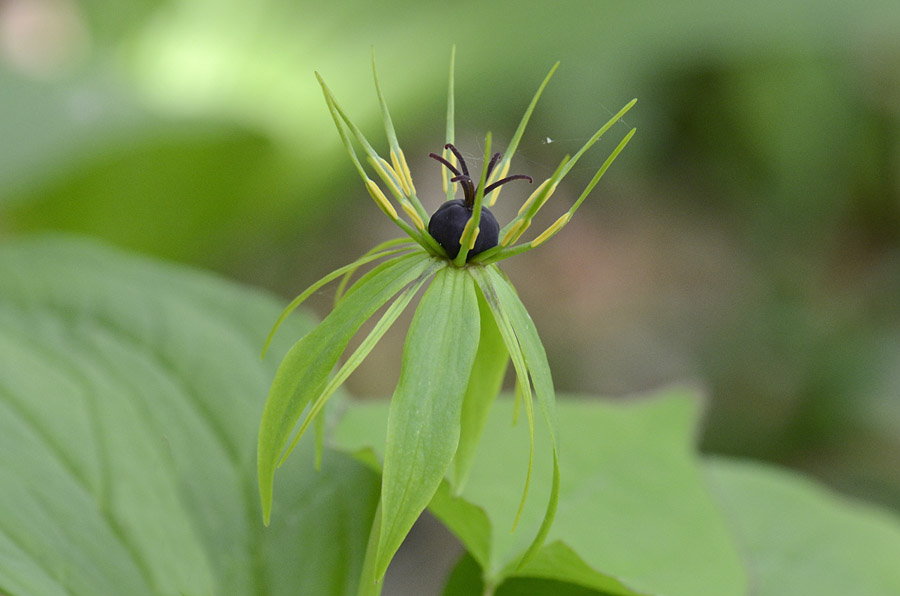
(304, 371)
(423, 424)
(635, 516)
(129, 398)
(523, 382)
(631, 470)
(799, 538)
(484, 384)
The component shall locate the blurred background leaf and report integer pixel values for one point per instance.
(631, 494)
(641, 512)
(130, 394)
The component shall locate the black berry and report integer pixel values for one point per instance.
(448, 222)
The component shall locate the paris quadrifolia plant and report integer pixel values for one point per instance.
(469, 324)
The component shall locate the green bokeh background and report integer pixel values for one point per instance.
(748, 240)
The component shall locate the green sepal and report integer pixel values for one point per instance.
(424, 417)
(521, 336)
(514, 348)
(539, 369)
(304, 371)
(491, 363)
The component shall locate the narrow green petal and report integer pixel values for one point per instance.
(596, 136)
(306, 366)
(566, 217)
(365, 347)
(501, 317)
(372, 255)
(424, 417)
(340, 121)
(389, 244)
(450, 189)
(520, 130)
(609, 160)
(487, 378)
(471, 230)
(499, 253)
(340, 115)
(536, 204)
(391, 133)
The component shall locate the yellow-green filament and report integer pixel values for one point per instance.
(381, 199)
(406, 174)
(533, 195)
(512, 234)
(553, 229)
(413, 215)
(387, 174)
(467, 231)
(474, 237)
(502, 174)
(397, 169)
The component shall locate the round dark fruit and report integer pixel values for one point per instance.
(448, 222)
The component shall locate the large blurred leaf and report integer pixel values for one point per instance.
(639, 515)
(799, 539)
(634, 514)
(130, 394)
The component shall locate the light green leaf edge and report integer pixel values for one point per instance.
(424, 415)
(369, 583)
(484, 384)
(305, 368)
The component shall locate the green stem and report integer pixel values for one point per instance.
(368, 584)
(489, 588)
